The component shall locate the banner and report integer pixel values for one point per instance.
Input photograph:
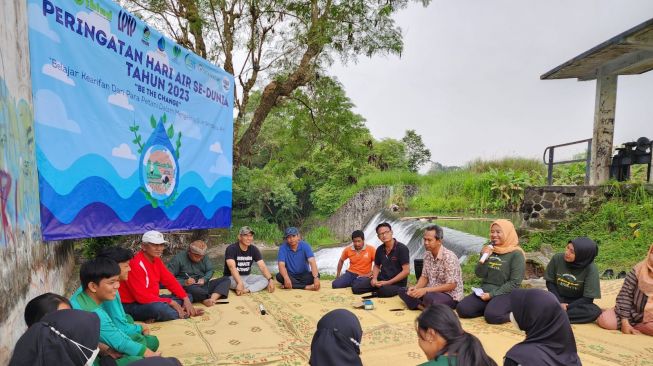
(133, 132)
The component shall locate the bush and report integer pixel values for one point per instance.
(91, 246)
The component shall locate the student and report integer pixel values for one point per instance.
(549, 338)
(361, 257)
(441, 281)
(193, 270)
(63, 338)
(238, 259)
(391, 266)
(100, 279)
(502, 272)
(573, 278)
(43, 305)
(633, 312)
(337, 340)
(114, 308)
(297, 265)
(444, 341)
(140, 293)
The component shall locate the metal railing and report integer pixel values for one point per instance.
(550, 162)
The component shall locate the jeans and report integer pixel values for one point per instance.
(202, 292)
(298, 280)
(159, 311)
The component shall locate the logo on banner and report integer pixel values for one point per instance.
(226, 84)
(190, 63)
(161, 44)
(176, 52)
(126, 23)
(146, 36)
(160, 172)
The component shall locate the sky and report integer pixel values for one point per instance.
(468, 79)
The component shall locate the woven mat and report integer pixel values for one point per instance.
(236, 333)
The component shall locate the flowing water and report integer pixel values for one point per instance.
(408, 232)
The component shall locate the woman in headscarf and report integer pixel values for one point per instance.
(337, 340)
(501, 272)
(43, 305)
(633, 312)
(573, 278)
(444, 341)
(62, 338)
(549, 338)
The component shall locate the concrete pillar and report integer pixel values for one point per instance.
(604, 110)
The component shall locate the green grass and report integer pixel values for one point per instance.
(622, 227)
(321, 237)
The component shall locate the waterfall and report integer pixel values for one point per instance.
(408, 232)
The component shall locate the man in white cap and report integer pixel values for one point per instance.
(238, 259)
(194, 270)
(140, 292)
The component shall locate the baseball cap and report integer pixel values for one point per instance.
(246, 230)
(291, 231)
(153, 237)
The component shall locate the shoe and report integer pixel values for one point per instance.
(621, 275)
(608, 274)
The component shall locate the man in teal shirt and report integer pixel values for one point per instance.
(100, 279)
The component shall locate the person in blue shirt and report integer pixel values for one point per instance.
(297, 265)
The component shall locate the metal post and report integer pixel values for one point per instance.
(588, 162)
(550, 169)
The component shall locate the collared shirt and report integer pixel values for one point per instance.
(360, 261)
(296, 260)
(391, 263)
(443, 269)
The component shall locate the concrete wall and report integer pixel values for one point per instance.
(544, 206)
(28, 267)
(354, 214)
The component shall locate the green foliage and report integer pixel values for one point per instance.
(569, 174)
(264, 231)
(320, 236)
(469, 277)
(508, 186)
(91, 246)
(622, 226)
(416, 152)
(515, 164)
(389, 154)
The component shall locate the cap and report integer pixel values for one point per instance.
(291, 231)
(153, 237)
(245, 230)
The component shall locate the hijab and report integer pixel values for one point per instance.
(156, 361)
(549, 338)
(511, 241)
(337, 339)
(586, 250)
(644, 271)
(42, 346)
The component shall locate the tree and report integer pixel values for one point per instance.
(416, 152)
(275, 45)
(389, 154)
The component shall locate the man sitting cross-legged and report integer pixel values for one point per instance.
(100, 278)
(140, 293)
(294, 258)
(193, 270)
(361, 257)
(238, 258)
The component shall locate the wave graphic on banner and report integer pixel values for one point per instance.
(96, 190)
(147, 218)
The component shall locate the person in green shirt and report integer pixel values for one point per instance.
(501, 271)
(573, 278)
(445, 343)
(100, 279)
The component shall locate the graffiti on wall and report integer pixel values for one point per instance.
(18, 180)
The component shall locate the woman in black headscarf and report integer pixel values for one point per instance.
(337, 340)
(62, 338)
(573, 278)
(549, 338)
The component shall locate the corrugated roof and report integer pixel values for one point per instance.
(628, 53)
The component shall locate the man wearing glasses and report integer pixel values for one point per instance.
(391, 266)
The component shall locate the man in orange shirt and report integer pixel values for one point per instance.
(361, 257)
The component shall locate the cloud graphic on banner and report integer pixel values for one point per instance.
(58, 74)
(161, 57)
(39, 23)
(120, 100)
(95, 19)
(184, 124)
(49, 110)
(216, 147)
(222, 166)
(123, 151)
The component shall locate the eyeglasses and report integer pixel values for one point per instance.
(383, 233)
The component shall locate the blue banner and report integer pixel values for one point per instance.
(133, 132)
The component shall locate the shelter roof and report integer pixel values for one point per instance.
(628, 53)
